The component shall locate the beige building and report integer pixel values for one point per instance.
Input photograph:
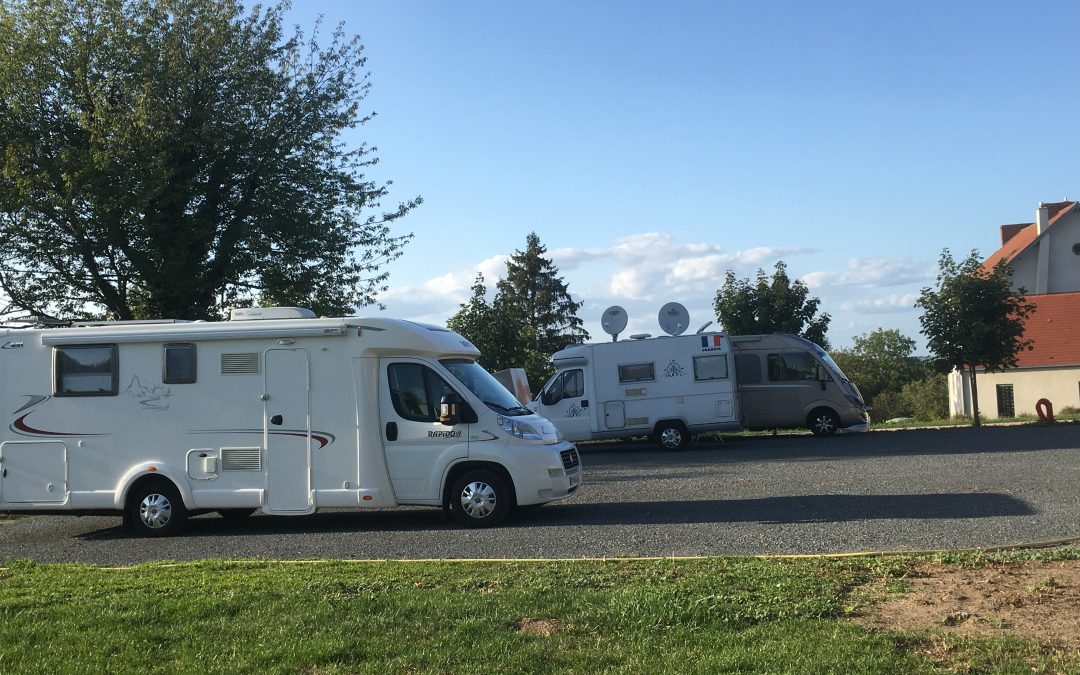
(1045, 257)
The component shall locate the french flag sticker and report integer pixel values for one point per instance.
(710, 341)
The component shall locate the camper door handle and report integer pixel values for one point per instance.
(584, 403)
(276, 419)
(391, 431)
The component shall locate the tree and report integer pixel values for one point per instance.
(533, 285)
(880, 361)
(171, 157)
(973, 318)
(499, 331)
(774, 305)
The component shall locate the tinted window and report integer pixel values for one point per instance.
(178, 364)
(416, 390)
(748, 368)
(792, 366)
(710, 367)
(86, 370)
(636, 372)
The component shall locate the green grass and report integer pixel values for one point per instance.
(677, 616)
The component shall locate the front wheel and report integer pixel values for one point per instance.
(479, 498)
(672, 435)
(823, 422)
(155, 509)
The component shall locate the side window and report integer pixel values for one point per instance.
(710, 367)
(748, 368)
(178, 364)
(86, 370)
(637, 372)
(792, 366)
(416, 390)
(567, 384)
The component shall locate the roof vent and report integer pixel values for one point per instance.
(257, 313)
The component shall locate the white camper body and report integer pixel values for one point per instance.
(673, 387)
(667, 387)
(154, 420)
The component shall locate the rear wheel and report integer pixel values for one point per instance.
(672, 435)
(479, 498)
(823, 422)
(155, 509)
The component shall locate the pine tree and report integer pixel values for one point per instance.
(533, 286)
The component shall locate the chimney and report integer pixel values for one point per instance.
(1042, 218)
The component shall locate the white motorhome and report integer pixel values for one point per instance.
(667, 387)
(675, 386)
(288, 415)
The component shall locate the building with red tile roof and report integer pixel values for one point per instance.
(1045, 260)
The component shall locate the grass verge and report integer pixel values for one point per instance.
(680, 616)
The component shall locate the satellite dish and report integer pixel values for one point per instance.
(673, 318)
(614, 321)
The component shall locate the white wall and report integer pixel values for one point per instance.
(1061, 386)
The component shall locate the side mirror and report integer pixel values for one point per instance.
(546, 398)
(448, 410)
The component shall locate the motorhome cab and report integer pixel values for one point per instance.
(284, 414)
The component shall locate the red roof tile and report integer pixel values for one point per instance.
(1018, 242)
(1054, 328)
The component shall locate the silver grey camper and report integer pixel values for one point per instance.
(787, 381)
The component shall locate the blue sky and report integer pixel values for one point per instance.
(653, 146)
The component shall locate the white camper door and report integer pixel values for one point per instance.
(287, 432)
(418, 447)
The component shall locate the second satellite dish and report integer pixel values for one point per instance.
(614, 321)
(674, 319)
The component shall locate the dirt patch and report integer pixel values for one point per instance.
(1024, 599)
(541, 627)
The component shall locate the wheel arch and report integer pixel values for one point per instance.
(823, 408)
(150, 472)
(454, 471)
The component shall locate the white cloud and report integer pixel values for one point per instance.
(882, 305)
(873, 272)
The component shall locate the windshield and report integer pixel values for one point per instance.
(485, 386)
(824, 356)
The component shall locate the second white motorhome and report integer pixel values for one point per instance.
(675, 386)
(287, 415)
(666, 387)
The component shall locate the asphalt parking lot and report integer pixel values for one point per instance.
(882, 491)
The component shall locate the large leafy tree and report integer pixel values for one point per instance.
(770, 305)
(973, 318)
(169, 157)
(532, 285)
(882, 360)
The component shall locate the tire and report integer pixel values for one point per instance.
(823, 422)
(155, 509)
(479, 498)
(234, 515)
(672, 435)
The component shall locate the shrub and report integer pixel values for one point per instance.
(929, 397)
(888, 405)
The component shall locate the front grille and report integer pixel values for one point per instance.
(570, 458)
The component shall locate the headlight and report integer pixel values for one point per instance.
(522, 430)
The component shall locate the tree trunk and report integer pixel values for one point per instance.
(974, 397)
